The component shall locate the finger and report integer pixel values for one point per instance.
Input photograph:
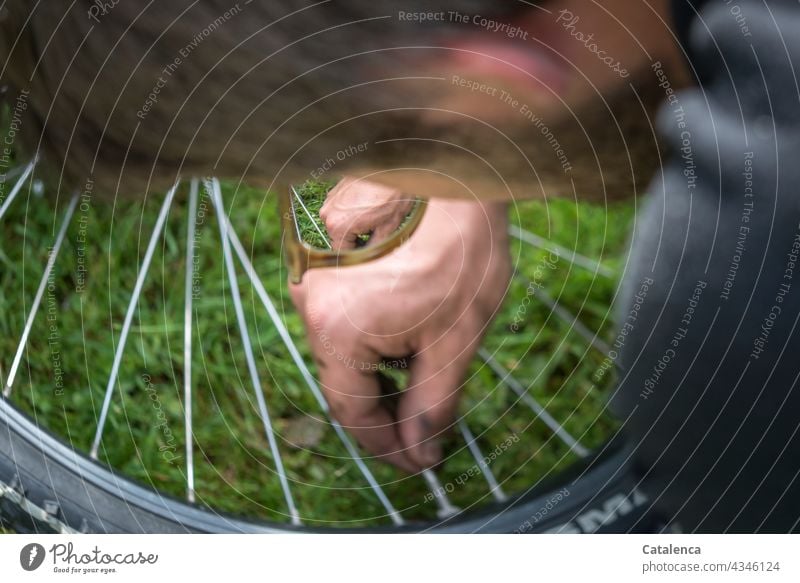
(369, 227)
(338, 222)
(396, 212)
(354, 396)
(347, 239)
(357, 208)
(428, 408)
(348, 379)
(346, 229)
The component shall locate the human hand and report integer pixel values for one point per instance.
(429, 302)
(358, 207)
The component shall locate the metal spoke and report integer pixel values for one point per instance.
(187, 340)
(568, 317)
(37, 300)
(310, 216)
(308, 377)
(446, 508)
(571, 255)
(472, 444)
(534, 405)
(126, 326)
(216, 194)
(13, 173)
(17, 186)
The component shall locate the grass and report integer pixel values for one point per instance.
(234, 470)
(312, 230)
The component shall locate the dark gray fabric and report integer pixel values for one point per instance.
(711, 355)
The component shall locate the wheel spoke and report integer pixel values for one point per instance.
(126, 326)
(512, 383)
(187, 339)
(308, 377)
(446, 508)
(13, 173)
(472, 444)
(248, 348)
(563, 253)
(568, 318)
(37, 300)
(17, 187)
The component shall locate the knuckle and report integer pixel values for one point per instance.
(340, 408)
(333, 223)
(321, 317)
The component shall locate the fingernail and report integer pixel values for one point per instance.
(431, 452)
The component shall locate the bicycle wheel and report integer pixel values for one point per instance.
(78, 453)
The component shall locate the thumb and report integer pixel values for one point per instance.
(298, 292)
(428, 407)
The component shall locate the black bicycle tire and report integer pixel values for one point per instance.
(48, 486)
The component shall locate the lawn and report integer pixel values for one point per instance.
(69, 355)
